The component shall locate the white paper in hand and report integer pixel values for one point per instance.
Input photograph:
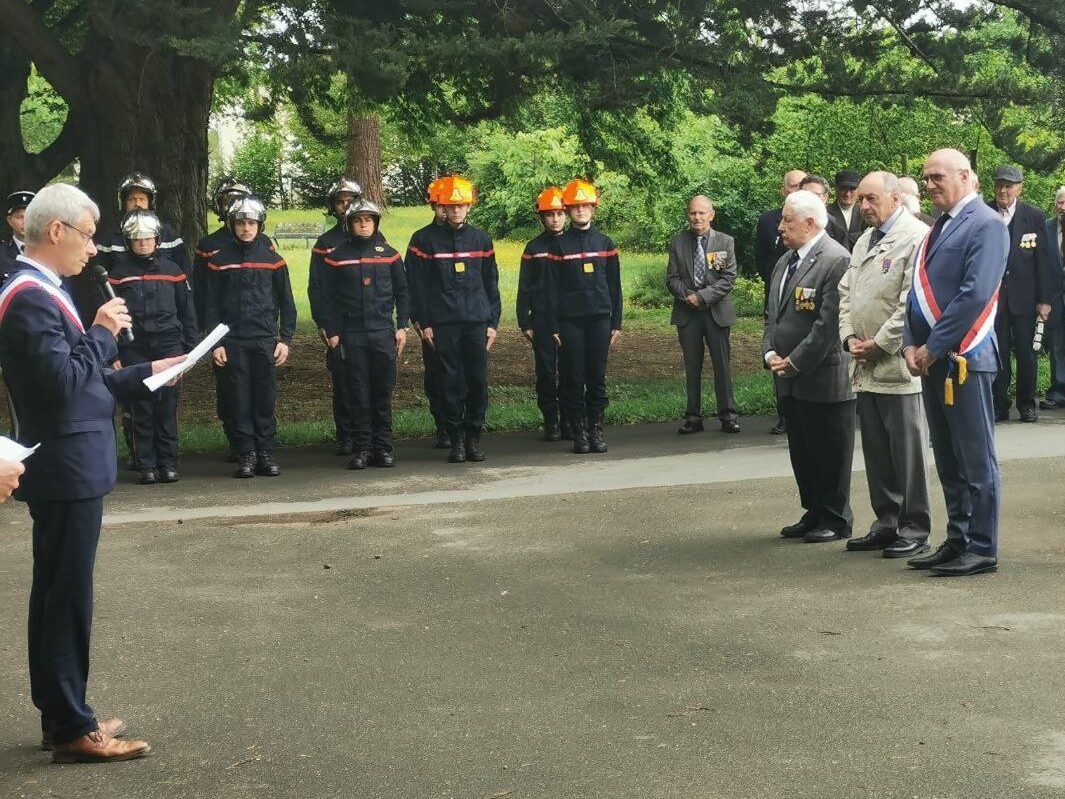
(155, 382)
(14, 451)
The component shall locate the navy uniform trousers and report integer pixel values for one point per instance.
(963, 441)
(583, 356)
(463, 360)
(369, 362)
(249, 389)
(342, 407)
(153, 439)
(548, 379)
(432, 383)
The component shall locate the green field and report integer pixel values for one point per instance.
(399, 223)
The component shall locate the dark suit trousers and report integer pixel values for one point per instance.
(250, 391)
(370, 374)
(463, 359)
(548, 384)
(821, 445)
(1054, 344)
(65, 535)
(153, 419)
(431, 383)
(702, 329)
(583, 355)
(342, 411)
(963, 441)
(1015, 333)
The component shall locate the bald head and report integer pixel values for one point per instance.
(878, 197)
(700, 214)
(949, 177)
(792, 182)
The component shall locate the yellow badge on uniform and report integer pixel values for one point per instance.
(589, 268)
(460, 266)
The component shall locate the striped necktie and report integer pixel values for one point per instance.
(700, 263)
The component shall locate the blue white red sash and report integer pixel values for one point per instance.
(27, 280)
(930, 310)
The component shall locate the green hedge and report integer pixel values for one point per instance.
(649, 291)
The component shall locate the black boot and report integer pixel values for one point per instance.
(596, 440)
(580, 438)
(552, 431)
(245, 465)
(383, 458)
(359, 460)
(148, 477)
(458, 451)
(345, 448)
(443, 440)
(265, 465)
(473, 447)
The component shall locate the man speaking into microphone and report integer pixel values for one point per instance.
(62, 392)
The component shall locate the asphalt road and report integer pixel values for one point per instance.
(552, 626)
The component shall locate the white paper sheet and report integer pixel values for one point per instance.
(155, 382)
(14, 451)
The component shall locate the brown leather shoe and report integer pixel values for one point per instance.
(113, 728)
(98, 747)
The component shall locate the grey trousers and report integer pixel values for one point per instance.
(893, 443)
(702, 330)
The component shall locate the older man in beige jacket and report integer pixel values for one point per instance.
(872, 308)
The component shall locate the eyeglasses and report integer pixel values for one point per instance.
(73, 227)
(938, 177)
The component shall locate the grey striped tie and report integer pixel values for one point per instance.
(700, 263)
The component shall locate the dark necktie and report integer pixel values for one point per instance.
(700, 263)
(937, 228)
(793, 264)
(876, 237)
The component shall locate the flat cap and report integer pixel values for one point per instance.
(1008, 174)
(847, 179)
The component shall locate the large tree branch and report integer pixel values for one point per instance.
(32, 35)
(1036, 15)
(902, 93)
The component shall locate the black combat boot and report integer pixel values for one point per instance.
(265, 465)
(359, 459)
(473, 447)
(245, 465)
(596, 440)
(580, 437)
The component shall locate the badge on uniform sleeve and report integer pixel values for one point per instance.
(366, 281)
(589, 268)
(379, 248)
(1029, 241)
(460, 266)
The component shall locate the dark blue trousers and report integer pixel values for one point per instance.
(548, 382)
(463, 361)
(342, 410)
(963, 441)
(65, 535)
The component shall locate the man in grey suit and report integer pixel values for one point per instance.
(701, 275)
(801, 346)
(872, 314)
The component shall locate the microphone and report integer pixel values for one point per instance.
(99, 274)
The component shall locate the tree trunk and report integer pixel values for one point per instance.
(364, 155)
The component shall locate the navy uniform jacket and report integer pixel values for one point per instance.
(532, 280)
(453, 276)
(248, 289)
(9, 251)
(1030, 277)
(170, 243)
(208, 246)
(965, 268)
(365, 283)
(318, 272)
(62, 391)
(158, 296)
(584, 280)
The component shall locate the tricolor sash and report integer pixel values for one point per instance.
(27, 280)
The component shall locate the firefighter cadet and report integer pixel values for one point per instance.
(584, 314)
(16, 222)
(248, 290)
(159, 299)
(137, 192)
(532, 315)
(365, 284)
(342, 194)
(431, 382)
(454, 282)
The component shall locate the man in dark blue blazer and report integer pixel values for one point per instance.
(950, 331)
(1054, 337)
(62, 393)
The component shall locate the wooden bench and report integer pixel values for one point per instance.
(308, 231)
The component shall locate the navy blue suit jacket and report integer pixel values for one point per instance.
(62, 393)
(965, 268)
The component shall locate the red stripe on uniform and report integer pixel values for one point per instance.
(372, 260)
(528, 256)
(246, 265)
(133, 278)
(577, 255)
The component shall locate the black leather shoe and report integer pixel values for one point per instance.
(1048, 404)
(823, 535)
(359, 460)
(870, 542)
(458, 452)
(552, 431)
(730, 426)
(690, 426)
(443, 440)
(1029, 415)
(265, 465)
(245, 465)
(148, 477)
(944, 553)
(169, 474)
(473, 449)
(797, 530)
(779, 429)
(345, 448)
(383, 459)
(966, 564)
(905, 547)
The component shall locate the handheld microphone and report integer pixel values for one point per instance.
(99, 274)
